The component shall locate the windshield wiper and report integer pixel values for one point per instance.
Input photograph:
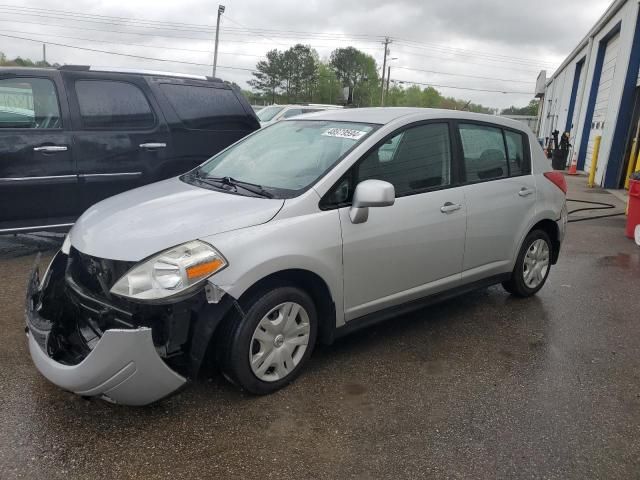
(232, 182)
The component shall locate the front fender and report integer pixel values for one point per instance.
(310, 242)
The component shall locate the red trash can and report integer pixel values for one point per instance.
(633, 217)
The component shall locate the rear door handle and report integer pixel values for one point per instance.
(450, 207)
(50, 148)
(524, 191)
(153, 145)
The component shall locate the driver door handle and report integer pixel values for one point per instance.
(524, 191)
(450, 207)
(153, 145)
(50, 148)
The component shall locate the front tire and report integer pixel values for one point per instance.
(532, 265)
(268, 348)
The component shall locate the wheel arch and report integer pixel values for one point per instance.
(311, 283)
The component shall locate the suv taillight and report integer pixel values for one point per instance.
(557, 178)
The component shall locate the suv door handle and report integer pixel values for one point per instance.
(51, 148)
(524, 191)
(450, 207)
(153, 145)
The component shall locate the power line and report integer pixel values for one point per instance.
(461, 88)
(467, 52)
(468, 76)
(162, 47)
(126, 54)
(246, 28)
(201, 39)
(468, 62)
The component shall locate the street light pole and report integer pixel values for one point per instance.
(215, 48)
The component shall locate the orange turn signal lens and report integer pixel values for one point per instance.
(203, 269)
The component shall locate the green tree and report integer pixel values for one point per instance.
(358, 71)
(327, 85)
(299, 72)
(531, 109)
(268, 75)
(23, 62)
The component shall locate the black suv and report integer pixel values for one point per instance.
(70, 137)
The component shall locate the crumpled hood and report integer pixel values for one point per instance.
(138, 223)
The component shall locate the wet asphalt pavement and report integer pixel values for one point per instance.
(483, 386)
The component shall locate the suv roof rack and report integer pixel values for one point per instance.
(89, 68)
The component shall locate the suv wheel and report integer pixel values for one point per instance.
(532, 266)
(268, 348)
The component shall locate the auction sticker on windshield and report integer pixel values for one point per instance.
(345, 133)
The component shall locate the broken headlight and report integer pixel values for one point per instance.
(169, 273)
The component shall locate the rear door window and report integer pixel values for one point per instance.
(518, 160)
(204, 108)
(106, 104)
(28, 103)
(484, 153)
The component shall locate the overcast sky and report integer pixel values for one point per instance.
(507, 41)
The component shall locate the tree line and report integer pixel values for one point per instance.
(22, 62)
(348, 76)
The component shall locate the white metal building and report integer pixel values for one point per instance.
(595, 92)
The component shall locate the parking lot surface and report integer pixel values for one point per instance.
(482, 386)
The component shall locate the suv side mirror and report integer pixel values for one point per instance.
(370, 193)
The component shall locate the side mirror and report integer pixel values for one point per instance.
(370, 193)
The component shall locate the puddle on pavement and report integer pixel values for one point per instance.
(621, 260)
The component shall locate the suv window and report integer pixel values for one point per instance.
(113, 105)
(484, 153)
(204, 108)
(518, 164)
(292, 113)
(413, 160)
(28, 103)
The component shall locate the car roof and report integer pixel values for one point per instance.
(384, 115)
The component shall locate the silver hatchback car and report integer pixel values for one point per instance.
(301, 232)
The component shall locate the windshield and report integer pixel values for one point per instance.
(267, 113)
(286, 157)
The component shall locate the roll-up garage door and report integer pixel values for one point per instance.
(602, 103)
(574, 117)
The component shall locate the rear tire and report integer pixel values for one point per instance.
(532, 265)
(267, 349)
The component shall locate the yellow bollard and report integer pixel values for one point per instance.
(594, 161)
(632, 162)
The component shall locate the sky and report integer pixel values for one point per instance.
(489, 52)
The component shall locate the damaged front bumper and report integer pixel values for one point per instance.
(124, 353)
(123, 365)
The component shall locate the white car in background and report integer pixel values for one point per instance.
(275, 113)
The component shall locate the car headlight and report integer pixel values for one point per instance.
(171, 272)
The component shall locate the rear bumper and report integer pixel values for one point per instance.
(123, 366)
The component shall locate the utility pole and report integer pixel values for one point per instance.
(386, 93)
(44, 54)
(215, 48)
(384, 67)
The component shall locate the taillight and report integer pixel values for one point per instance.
(557, 178)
